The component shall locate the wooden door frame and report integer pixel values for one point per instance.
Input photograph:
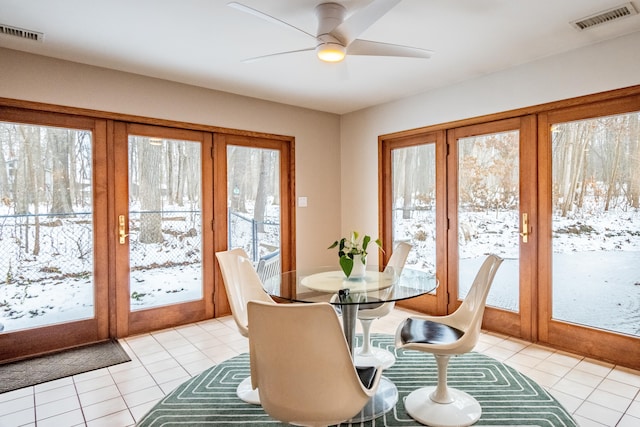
(286, 148)
(430, 303)
(128, 322)
(605, 345)
(521, 324)
(29, 342)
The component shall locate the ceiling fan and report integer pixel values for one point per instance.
(337, 37)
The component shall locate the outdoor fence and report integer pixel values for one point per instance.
(245, 232)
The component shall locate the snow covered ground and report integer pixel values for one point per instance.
(596, 273)
(596, 263)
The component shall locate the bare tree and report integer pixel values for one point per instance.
(6, 164)
(237, 159)
(410, 160)
(59, 142)
(570, 148)
(264, 190)
(634, 160)
(613, 171)
(150, 191)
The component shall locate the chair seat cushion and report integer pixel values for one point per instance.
(370, 305)
(428, 332)
(367, 375)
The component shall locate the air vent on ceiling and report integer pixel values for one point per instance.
(605, 16)
(21, 32)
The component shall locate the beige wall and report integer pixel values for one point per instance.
(317, 135)
(609, 65)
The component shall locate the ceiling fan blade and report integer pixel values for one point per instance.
(371, 48)
(258, 58)
(269, 18)
(362, 19)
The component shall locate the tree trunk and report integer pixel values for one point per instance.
(58, 141)
(5, 190)
(266, 166)
(150, 192)
(409, 171)
(238, 159)
(171, 163)
(613, 177)
(634, 160)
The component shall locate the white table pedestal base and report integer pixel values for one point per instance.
(463, 411)
(376, 357)
(382, 402)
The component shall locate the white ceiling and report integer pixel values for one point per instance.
(203, 43)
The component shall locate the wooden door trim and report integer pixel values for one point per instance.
(100, 227)
(529, 251)
(220, 219)
(46, 339)
(614, 96)
(615, 348)
(121, 251)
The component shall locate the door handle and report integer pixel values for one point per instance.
(525, 228)
(122, 229)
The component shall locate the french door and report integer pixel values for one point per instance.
(412, 193)
(491, 196)
(53, 216)
(590, 223)
(162, 227)
(254, 202)
(556, 194)
(109, 228)
(458, 195)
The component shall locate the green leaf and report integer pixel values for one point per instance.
(365, 243)
(346, 264)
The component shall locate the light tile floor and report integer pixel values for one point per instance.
(596, 393)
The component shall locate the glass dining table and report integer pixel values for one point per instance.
(329, 284)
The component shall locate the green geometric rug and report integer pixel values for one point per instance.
(507, 397)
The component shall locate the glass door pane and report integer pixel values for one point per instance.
(253, 189)
(489, 212)
(165, 222)
(414, 203)
(596, 222)
(46, 226)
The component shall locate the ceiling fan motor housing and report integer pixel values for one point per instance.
(330, 15)
(329, 48)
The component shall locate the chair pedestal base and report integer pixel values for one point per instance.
(246, 393)
(382, 402)
(376, 357)
(463, 411)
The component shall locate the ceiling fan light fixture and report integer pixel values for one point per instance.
(331, 52)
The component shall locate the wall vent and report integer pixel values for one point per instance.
(605, 16)
(21, 32)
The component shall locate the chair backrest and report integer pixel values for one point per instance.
(398, 257)
(242, 284)
(468, 317)
(301, 364)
